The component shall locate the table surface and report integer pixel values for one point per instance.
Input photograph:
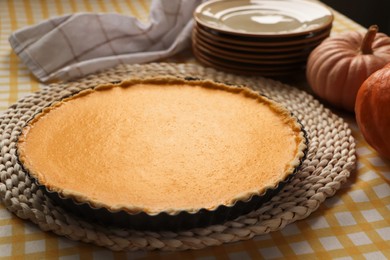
(354, 223)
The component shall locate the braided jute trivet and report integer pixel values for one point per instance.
(330, 160)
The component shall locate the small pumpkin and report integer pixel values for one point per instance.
(339, 65)
(372, 110)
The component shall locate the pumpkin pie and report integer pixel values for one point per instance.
(162, 146)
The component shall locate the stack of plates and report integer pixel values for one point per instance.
(261, 37)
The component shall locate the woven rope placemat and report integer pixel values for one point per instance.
(330, 160)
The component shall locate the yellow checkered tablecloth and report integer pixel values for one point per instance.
(352, 224)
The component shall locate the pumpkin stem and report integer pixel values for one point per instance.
(366, 47)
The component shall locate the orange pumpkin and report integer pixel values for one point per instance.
(372, 110)
(340, 64)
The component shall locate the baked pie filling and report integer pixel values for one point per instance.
(162, 144)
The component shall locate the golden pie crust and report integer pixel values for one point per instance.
(162, 144)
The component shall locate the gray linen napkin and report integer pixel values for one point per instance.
(75, 45)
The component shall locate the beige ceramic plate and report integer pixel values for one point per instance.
(251, 55)
(254, 60)
(263, 17)
(246, 66)
(250, 72)
(260, 42)
(267, 49)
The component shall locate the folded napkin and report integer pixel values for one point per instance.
(75, 45)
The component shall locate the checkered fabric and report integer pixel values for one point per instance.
(353, 224)
(84, 43)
